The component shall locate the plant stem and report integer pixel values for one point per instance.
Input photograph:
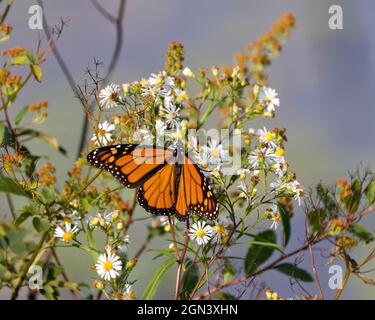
(181, 262)
(28, 265)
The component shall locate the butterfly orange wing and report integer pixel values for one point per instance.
(158, 193)
(131, 164)
(195, 193)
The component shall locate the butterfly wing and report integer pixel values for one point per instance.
(195, 193)
(158, 193)
(131, 164)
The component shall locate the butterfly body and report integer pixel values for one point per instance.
(168, 181)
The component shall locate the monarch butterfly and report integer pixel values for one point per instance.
(168, 181)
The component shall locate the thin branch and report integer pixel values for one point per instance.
(313, 265)
(114, 59)
(181, 262)
(103, 11)
(112, 65)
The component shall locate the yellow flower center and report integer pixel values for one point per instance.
(173, 115)
(200, 233)
(280, 152)
(67, 220)
(68, 236)
(215, 153)
(101, 133)
(107, 265)
(268, 136)
(113, 96)
(220, 229)
(204, 165)
(276, 217)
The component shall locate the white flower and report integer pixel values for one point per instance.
(274, 215)
(201, 232)
(181, 96)
(267, 137)
(108, 265)
(297, 190)
(104, 134)
(262, 158)
(244, 191)
(109, 96)
(218, 154)
(220, 228)
(188, 73)
(243, 172)
(71, 218)
(161, 84)
(127, 288)
(101, 219)
(203, 158)
(170, 112)
(125, 243)
(277, 185)
(66, 233)
(268, 96)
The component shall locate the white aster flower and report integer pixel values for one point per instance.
(71, 218)
(201, 232)
(109, 96)
(297, 189)
(161, 83)
(181, 96)
(244, 191)
(268, 96)
(108, 265)
(188, 73)
(266, 136)
(170, 112)
(262, 158)
(220, 228)
(277, 185)
(218, 154)
(125, 244)
(274, 215)
(104, 134)
(243, 172)
(66, 233)
(101, 219)
(203, 158)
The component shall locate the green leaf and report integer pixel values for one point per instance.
(190, 279)
(22, 59)
(369, 192)
(327, 198)
(355, 198)
(152, 286)
(2, 132)
(285, 218)
(41, 225)
(52, 141)
(22, 217)
(8, 185)
(37, 72)
(20, 115)
(362, 233)
(260, 250)
(294, 272)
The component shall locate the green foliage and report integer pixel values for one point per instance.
(152, 286)
(292, 271)
(260, 252)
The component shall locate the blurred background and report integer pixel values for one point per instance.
(325, 79)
